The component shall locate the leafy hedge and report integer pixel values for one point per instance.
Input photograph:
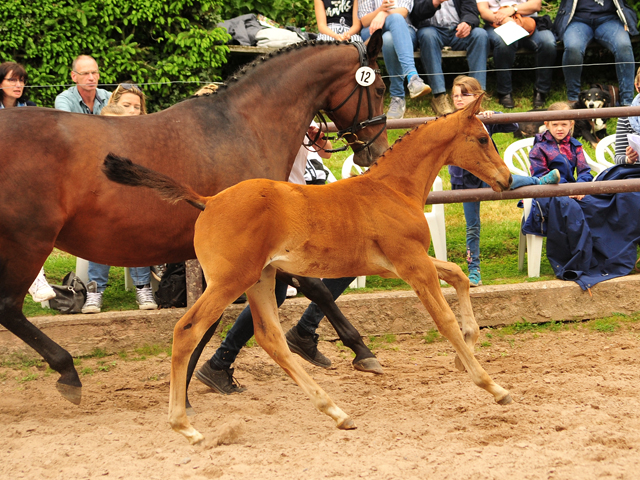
(152, 42)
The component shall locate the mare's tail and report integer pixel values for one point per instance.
(124, 171)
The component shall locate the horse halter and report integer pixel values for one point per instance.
(357, 126)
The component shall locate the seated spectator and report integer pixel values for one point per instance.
(13, 78)
(399, 42)
(85, 97)
(451, 23)
(337, 21)
(610, 23)
(557, 149)
(542, 42)
(127, 100)
(625, 126)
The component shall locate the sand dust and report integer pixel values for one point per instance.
(575, 415)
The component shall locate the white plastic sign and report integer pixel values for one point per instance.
(365, 76)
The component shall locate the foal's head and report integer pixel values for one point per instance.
(473, 149)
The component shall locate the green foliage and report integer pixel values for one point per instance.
(150, 42)
(285, 12)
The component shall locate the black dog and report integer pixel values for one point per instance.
(595, 129)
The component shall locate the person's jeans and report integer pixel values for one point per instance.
(100, 274)
(398, 44)
(313, 314)
(523, 181)
(433, 39)
(472, 216)
(609, 32)
(542, 42)
(240, 333)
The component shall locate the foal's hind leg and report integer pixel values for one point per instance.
(453, 275)
(317, 292)
(419, 271)
(270, 337)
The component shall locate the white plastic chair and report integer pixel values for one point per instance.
(516, 156)
(435, 218)
(606, 151)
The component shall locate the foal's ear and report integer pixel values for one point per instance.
(374, 45)
(474, 107)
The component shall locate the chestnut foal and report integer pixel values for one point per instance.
(374, 225)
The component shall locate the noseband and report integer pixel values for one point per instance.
(357, 126)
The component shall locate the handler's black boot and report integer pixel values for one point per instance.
(221, 381)
(307, 347)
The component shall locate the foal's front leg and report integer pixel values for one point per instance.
(419, 271)
(270, 337)
(453, 275)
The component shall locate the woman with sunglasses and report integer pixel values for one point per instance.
(466, 90)
(13, 78)
(128, 99)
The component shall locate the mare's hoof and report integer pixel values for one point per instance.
(505, 400)
(71, 393)
(371, 365)
(458, 363)
(347, 424)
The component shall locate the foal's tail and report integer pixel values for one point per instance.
(124, 171)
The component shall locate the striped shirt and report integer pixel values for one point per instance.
(622, 142)
(365, 7)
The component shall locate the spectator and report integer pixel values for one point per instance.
(610, 23)
(338, 21)
(301, 338)
(399, 42)
(13, 78)
(127, 100)
(450, 23)
(626, 125)
(557, 149)
(542, 42)
(85, 97)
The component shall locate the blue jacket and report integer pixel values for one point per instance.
(567, 8)
(594, 239)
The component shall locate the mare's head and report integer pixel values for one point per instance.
(357, 102)
(473, 149)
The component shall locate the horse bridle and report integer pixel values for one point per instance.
(356, 126)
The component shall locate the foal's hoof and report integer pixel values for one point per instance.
(458, 363)
(371, 365)
(347, 424)
(71, 393)
(506, 400)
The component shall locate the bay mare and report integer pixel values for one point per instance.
(53, 194)
(376, 227)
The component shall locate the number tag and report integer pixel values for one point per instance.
(365, 76)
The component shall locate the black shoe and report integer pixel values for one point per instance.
(221, 381)
(306, 347)
(539, 99)
(506, 101)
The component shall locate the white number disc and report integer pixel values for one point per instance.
(365, 76)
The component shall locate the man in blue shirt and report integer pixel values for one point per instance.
(85, 97)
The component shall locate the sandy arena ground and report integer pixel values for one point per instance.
(575, 415)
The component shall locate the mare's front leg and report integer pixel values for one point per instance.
(418, 270)
(15, 278)
(270, 337)
(317, 292)
(187, 334)
(453, 275)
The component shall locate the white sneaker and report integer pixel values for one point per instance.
(417, 87)
(40, 290)
(291, 291)
(144, 297)
(397, 107)
(93, 303)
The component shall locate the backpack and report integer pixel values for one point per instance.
(172, 289)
